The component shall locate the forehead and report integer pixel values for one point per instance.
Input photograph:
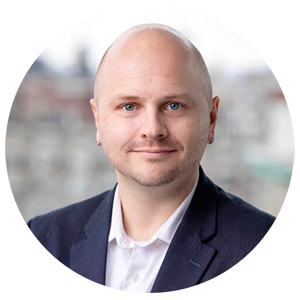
(142, 61)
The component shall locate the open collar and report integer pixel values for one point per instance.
(187, 258)
(165, 233)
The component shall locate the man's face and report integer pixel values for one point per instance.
(152, 116)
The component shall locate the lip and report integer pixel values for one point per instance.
(155, 153)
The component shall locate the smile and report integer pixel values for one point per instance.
(153, 153)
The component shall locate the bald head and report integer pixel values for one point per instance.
(154, 42)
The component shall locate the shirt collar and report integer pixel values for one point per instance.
(165, 233)
(116, 230)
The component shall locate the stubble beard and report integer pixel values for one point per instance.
(162, 176)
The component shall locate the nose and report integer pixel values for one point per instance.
(153, 125)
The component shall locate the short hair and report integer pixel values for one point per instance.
(187, 42)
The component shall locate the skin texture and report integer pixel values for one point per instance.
(154, 122)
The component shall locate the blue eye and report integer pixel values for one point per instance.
(129, 107)
(174, 106)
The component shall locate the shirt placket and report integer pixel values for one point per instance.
(134, 275)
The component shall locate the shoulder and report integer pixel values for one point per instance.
(234, 210)
(232, 214)
(68, 222)
(241, 226)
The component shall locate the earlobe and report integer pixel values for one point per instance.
(98, 142)
(211, 141)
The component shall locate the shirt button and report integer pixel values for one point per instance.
(135, 277)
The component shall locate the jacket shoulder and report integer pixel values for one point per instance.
(240, 228)
(243, 213)
(59, 229)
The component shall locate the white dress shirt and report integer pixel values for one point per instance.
(133, 266)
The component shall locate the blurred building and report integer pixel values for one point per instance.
(253, 154)
(53, 160)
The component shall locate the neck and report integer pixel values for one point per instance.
(145, 209)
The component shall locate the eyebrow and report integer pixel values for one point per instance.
(121, 97)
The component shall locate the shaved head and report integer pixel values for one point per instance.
(153, 93)
(135, 39)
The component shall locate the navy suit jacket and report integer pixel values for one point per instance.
(217, 231)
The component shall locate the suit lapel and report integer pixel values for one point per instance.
(185, 263)
(188, 257)
(88, 257)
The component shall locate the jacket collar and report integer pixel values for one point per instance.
(101, 218)
(187, 258)
(88, 257)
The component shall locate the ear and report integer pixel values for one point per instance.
(94, 106)
(213, 118)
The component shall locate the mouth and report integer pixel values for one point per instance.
(153, 153)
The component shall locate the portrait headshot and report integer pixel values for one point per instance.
(149, 161)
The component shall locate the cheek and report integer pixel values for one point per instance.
(190, 129)
(193, 135)
(115, 131)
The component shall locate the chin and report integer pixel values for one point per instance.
(153, 182)
(152, 178)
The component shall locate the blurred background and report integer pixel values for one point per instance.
(51, 153)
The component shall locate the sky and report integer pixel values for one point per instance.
(221, 47)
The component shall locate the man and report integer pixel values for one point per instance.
(165, 226)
